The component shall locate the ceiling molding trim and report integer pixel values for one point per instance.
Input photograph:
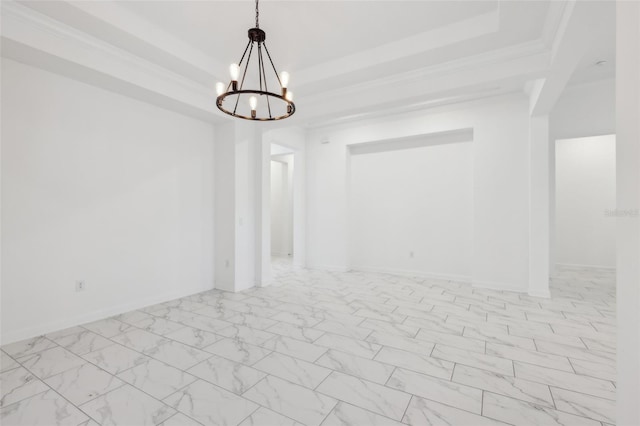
(39, 33)
(533, 53)
(122, 28)
(466, 29)
(25, 24)
(480, 97)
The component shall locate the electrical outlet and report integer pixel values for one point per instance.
(80, 285)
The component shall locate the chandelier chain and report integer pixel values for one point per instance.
(257, 15)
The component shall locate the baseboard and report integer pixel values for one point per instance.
(577, 265)
(498, 286)
(541, 294)
(38, 330)
(410, 273)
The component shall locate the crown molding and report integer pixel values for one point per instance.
(467, 29)
(111, 22)
(533, 50)
(68, 51)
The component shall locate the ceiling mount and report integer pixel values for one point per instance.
(275, 105)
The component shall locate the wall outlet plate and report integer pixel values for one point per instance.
(80, 286)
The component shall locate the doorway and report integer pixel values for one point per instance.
(585, 202)
(282, 207)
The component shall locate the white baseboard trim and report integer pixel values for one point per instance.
(49, 327)
(410, 273)
(499, 286)
(542, 294)
(577, 265)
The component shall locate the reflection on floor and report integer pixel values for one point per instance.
(330, 348)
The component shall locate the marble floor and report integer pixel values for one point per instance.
(327, 348)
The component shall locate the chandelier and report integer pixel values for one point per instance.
(258, 104)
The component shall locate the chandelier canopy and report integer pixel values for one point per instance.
(258, 103)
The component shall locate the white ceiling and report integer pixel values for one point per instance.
(303, 33)
(356, 56)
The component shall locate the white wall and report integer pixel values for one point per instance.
(500, 184)
(101, 188)
(412, 210)
(628, 198)
(585, 110)
(585, 201)
(282, 206)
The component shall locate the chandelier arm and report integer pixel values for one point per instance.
(260, 67)
(246, 67)
(244, 53)
(266, 87)
(273, 66)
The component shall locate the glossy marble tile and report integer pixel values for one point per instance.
(364, 368)
(295, 348)
(297, 402)
(83, 383)
(44, 409)
(294, 370)
(349, 415)
(232, 376)
(7, 363)
(514, 387)
(416, 362)
(246, 334)
(474, 359)
(238, 351)
(49, 362)
(305, 334)
(83, 342)
(426, 412)
(440, 390)
(177, 354)
(516, 412)
(570, 381)
(264, 417)
(359, 348)
(180, 419)
(406, 344)
(127, 405)
(211, 405)
(363, 338)
(252, 321)
(158, 325)
(107, 327)
(595, 369)
(452, 340)
(584, 405)
(28, 346)
(115, 358)
(139, 340)
(364, 394)
(193, 337)
(530, 357)
(156, 378)
(18, 384)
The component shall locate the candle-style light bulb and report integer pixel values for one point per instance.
(234, 70)
(219, 88)
(253, 103)
(284, 79)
